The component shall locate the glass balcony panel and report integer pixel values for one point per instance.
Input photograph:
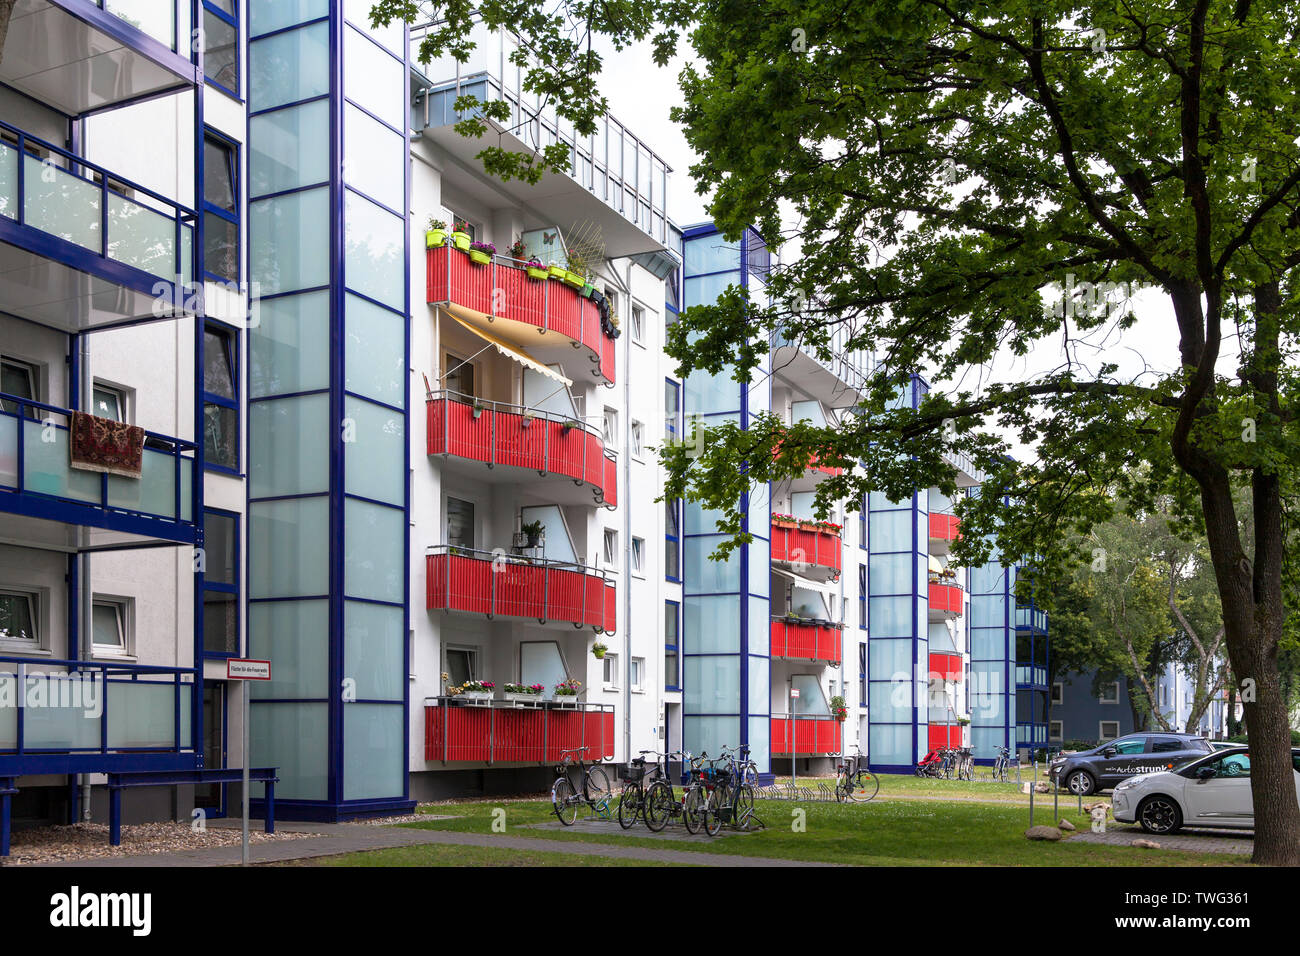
(8, 181)
(45, 460)
(8, 715)
(8, 451)
(61, 204)
(155, 18)
(142, 714)
(61, 712)
(141, 237)
(154, 492)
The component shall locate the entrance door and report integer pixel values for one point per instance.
(211, 797)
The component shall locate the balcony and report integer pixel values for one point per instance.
(83, 55)
(63, 716)
(946, 667)
(806, 736)
(496, 584)
(807, 641)
(518, 443)
(500, 733)
(946, 602)
(810, 549)
(944, 530)
(82, 248)
(541, 315)
(50, 499)
(836, 382)
(1030, 618)
(1031, 675)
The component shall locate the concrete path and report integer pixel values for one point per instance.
(331, 839)
(1195, 841)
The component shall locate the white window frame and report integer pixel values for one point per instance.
(638, 556)
(609, 547)
(125, 607)
(1102, 697)
(638, 440)
(1101, 731)
(637, 677)
(609, 665)
(123, 395)
(1055, 730)
(1058, 693)
(637, 321)
(609, 427)
(37, 603)
(37, 374)
(472, 650)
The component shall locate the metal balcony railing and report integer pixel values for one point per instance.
(502, 733)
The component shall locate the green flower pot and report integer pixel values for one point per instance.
(479, 256)
(537, 273)
(557, 272)
(435, 238)
(587, 290)
(575, 280)
(461, 240)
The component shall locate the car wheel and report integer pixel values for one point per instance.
(1081, 783)
(1159, 814)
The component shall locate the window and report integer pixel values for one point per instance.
(1058, 693)
(457, 220)
(19, 379)
(1109, 729)
(672, 673)
(18, 617)
(610, 676)
(611, 548)
(110, 619)
(1160, 745)
(638, 324)
(610, 428)
(1129, 745)
(221, 44)
(109, 403)
(459, 376)
(460, 523)
(1230, 765)
(638, 674)
(220, 401)
(862, 673)
(1110, 693)
(638, 439)
(1054, 731)
(672, 408)
(862, 596)
(462, 665)
(220, 583)
(638, 555)
(862, 523)
(672, 541)
(220, 208)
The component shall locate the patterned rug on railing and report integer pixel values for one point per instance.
(101, 444)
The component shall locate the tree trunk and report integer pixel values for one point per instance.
(6, 11)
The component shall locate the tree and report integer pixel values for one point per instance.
(943, 162)
(6, 14)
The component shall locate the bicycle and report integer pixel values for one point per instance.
(853, 783)
(699, 787)
(661, 803)
(717, 782)
(1002, 764)
(632, 801)
(596, 792)
(965, 764)
(734, 803)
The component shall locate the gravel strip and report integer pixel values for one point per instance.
(89, 841)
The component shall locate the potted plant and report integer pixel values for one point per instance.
(567, 425)
(482, 252)
(599, 649)
(574, 279)
(460, 235)
(566, 692)
(522, 693)
(516, 250)
(556, 271)
(533, 531)
(477, 409)
(963, 719)
(472, 691)
(783, 521)
(535, 269)
(436, 234)
(527, 418)
(839, 707)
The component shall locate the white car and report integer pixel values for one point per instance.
(1209, 791)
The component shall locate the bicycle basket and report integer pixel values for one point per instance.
(636, 771)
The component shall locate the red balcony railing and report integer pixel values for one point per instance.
(502, 585)
(502, 434)
(806, 736)
(944, 735)
(508, 734)
(812, 642)
(946, 666)
(944, 527)
(806, 546)
(946, 598)
(502, 290)
(814, 464)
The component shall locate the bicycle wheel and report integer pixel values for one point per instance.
(599, 793)
(714, 809)
(659, 806)
(841, 789)
(565, 801)
(750, 776)
(693, 809)
(629, 806)
(743, 806)
(864, 786)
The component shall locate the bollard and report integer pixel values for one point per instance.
(1080, 796)
(1031, 806)
(1056, 809)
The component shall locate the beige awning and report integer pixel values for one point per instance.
(517, 354)
(936, 565)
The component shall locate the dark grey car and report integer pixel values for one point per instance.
(1107, 764)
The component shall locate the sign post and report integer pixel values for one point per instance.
(238, 668)
(794, 737)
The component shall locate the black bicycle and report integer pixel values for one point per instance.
(662, 803)
(577, 783)
(732, 801)
(854, 783)
(641, 777)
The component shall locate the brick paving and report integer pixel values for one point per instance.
(1194, 840)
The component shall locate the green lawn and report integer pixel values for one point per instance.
(919, 832)
(910, 785)
(437, 855)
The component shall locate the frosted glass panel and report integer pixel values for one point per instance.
(289, 348)
(988, 611)
(141, 237)
(266, 17)
(374, 750)
(540, 663)
(375, 460)
(289, 547)
(294, 739)
(46, 466)
(889, 660)
(290, 446)
(142, 715)
(374, 650)
(890, 617)
(706, 576)
(295, 636)
(154, 17)
(890, 530)
(760, 626)
(8, 181)
(812, 697)
(711, 624)
(375, 360)
(709, 254)
(559, 546)
(8, 715)
(153, 492)
(891, 745)
(760, 743)
(290, 240)
(760, 670)
(890, 574)
(760, 578)
(288, 67)
(373, 79)
(70, 713)
(289, 148)
(709, 734)
(62, 204)
(358, 12)
(375, 252)
(374, 158)
(712, 685)
(374, 553)
(545, 394)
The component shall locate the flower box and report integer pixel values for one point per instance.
(477, 698)
(479, 256)
(435, 238)
(565, 700)
(557, 272)
(461, 241)
(573, 279)
(532, 700)
(538, 272)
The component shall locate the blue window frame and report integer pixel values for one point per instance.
(672, 639)
(221, 258)
(221, 438)
(862, 596)
(862, 523)
(862, 673)
(221, 45)
(221, 631)
(672, 509)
